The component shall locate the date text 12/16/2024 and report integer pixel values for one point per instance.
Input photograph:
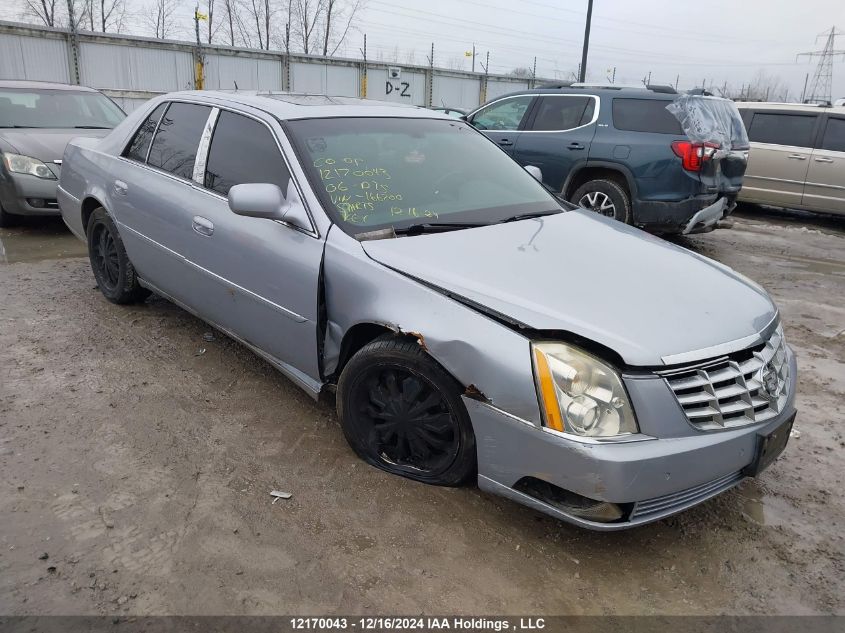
(381, 623)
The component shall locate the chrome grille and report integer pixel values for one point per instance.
(734, 391)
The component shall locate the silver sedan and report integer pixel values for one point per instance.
(472, 325)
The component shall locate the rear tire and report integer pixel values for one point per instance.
(112, 269)
(402, 412)
(605, 197)
(7, 220)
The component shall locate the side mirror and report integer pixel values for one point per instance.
(534, 171)
(266, 201)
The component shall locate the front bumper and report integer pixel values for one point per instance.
(651, 477)
(17, 191)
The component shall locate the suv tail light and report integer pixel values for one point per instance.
(693, 155)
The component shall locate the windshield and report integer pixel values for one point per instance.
(373, 173)
(57, 109)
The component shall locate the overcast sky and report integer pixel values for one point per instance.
(716, 41)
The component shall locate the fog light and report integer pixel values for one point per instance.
(569, 502)
(38, 203)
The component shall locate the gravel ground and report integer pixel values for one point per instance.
(136, 461)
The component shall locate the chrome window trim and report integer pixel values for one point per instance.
(202, 149)
(155, 131)
(314, 232)
(595, 118)
(709, 353)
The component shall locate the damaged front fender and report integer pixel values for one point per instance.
(493, 362)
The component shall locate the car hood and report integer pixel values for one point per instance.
(45, 145)
(643, 297)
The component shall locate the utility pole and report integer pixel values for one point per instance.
(534, 73)
(74, 45)
(199, 75)
(473, 57)
(677, 80)
(822, 84)
(582, 71)
(430, 78)
(364, 70)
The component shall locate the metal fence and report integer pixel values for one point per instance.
(133, 69)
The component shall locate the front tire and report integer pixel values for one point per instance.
(605, 197)
(112, 269)
(402, 412)
(7, 220)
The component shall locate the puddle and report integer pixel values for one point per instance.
(760, 507)
(39, 239)
(826, 223)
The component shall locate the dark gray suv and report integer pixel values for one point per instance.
(620, 152)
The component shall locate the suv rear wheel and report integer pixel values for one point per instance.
(605, 197)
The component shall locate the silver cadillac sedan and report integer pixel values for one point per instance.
(471, 324)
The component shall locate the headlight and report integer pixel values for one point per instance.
(580, 394)
(27, 165)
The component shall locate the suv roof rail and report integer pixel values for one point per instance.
(555, 84)
(664, 89)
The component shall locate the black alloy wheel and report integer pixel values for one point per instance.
(403, 413)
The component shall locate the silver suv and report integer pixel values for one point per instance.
(797, 157)
(472, 325)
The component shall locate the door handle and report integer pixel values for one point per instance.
(202, 225)
(120, 187)
(505, 141)
(797, 156)
(822, 159)
(576, 146)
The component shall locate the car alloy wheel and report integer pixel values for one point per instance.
(404, 420)
(106, 258)
(599, 202)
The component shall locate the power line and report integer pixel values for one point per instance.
(822, 85)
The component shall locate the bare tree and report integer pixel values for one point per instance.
(340, 15)
(210, 30)
(43, 10)
(112, 13)
(765, 87)
(231, 12)
(160, 18)
(305, 17)
(522, 72)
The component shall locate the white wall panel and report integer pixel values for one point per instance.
(121, 67)
(456, 92)
(499, 87)
(223, 71)
(34, 58)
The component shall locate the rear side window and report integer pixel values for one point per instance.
(834, 135)
(140, 143)
(243, 150)
(645, 115)
(562, 113)
(174, 147)
(781, 129)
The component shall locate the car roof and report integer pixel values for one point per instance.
(600, 91)
(42, 85)
(797, 107)
(290, 106)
